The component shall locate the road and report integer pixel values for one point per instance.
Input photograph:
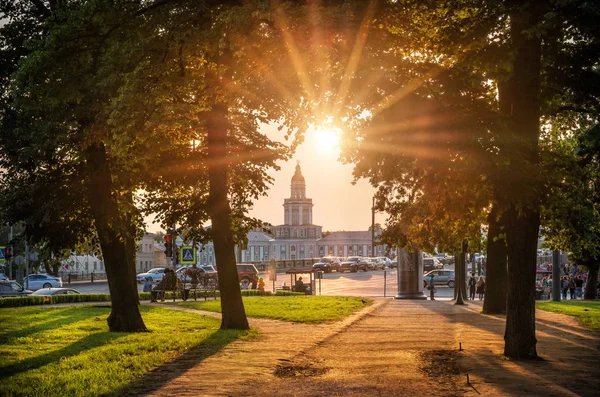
(374, 283)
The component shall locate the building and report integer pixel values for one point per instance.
(299, 238)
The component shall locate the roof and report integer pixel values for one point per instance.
(259, 236)
(344, 236)
(298, 177)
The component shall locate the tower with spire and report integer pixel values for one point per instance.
(297, 237)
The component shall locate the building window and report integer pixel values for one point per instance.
(95, 265)
(295, 216)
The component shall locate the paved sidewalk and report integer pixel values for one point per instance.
(393, 348)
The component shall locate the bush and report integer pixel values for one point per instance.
(19, 301)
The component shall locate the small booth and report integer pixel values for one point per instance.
(296, 273)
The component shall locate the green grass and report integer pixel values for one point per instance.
(304, 309)
(588, 312)
(68, 351)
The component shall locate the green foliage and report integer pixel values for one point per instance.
(305, 309)
(69, 351)
(587, 312)
(40, 300)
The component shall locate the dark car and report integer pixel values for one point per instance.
(56, 291)
(354, 264)
(247, 272)
(327, 264)
(12, 288)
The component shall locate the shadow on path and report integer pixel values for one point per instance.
(569, 364)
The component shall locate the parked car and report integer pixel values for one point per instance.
(386, 261)
(431, 264)
(375, 263)
(36, 281)
(12, 288)
(354, 264)
(247, 272)
(56, 291)
(441, 277)
(155, 274)
(394, 263)
(181, 274)
(327, 264)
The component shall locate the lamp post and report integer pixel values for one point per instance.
(373, 228)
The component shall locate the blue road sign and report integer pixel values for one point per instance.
(2, 254)
(188, 255)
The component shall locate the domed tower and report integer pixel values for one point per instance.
(298, 208)
(298, 185)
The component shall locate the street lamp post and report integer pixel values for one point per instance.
(373, 228)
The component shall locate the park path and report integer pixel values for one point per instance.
(394, 348)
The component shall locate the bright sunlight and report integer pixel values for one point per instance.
(328, 139)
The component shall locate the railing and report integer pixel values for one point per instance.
(82, 275)
(263, 266)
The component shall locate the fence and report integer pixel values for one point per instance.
(263, 266)
(82, 275)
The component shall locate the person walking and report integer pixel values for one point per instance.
(480, 287)
(578, 288)
(431, 286)
(565, 287)
(572, 287)
(472, 286)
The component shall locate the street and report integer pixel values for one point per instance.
(374, 283)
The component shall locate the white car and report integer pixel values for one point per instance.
(36, 281)
(155, 274)
(209, 270)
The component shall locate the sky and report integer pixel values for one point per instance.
(338, 204)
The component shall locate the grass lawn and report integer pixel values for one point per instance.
(304, 309)
(588, 312)
(68, 351)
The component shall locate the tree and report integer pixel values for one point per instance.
(572, 219)
(506, 67)
(64, 67)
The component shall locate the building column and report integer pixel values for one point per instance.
(300, 222)
(410, 275)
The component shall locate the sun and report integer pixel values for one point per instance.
(328, 139)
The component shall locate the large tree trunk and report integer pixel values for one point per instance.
(495, 277)
(522, 235)
(522, 219)
(112, 233)
(130, 240)
(232, 307)
(591, 285)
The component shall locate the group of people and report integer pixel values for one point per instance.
(573, 286)
(256, 284)
(476, 286)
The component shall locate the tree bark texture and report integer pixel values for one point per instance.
(591, 284)
(522, 219)
(112, 233)
(495, 271)
(232, 307)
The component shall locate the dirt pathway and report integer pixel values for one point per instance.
(396, 348)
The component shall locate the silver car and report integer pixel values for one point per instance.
(155, 274)
(441, 277)
(36, 281)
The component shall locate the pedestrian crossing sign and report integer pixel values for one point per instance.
(188, 255)
(2, 254)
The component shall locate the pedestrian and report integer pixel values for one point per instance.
(572, 287)
(480, 287)
(244, 285)
(431, 286)
(578, 288)
(472, 286)
(564, 286)
(261, 285)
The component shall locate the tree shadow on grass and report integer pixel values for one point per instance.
(60, 321)
(162, 375)
(565, 364)
(83, 344)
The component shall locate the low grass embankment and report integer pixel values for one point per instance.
(68, 351)
(588, 312)
(304, 309)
